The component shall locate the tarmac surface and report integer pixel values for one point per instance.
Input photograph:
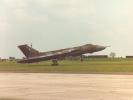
(39, 86)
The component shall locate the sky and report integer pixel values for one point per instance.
(57, 24)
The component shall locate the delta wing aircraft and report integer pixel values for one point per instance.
(33, 55)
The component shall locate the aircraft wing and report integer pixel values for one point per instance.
(48, 56)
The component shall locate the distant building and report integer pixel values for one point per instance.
(129, 56)
(72, 58)
(11, 58)
(3, 60)
(97, 56)
(86, 57)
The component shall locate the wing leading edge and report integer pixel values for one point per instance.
(49, 56)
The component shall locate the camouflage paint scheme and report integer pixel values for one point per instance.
(33, 55)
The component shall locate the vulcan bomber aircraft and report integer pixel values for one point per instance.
(33, 55)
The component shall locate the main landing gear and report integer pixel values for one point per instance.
(55, 62)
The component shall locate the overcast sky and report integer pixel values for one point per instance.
(56, 24)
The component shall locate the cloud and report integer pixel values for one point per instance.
(4, 25)
(51, 24)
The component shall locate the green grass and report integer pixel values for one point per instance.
(67, 66)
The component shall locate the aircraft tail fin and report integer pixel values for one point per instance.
(28, 51)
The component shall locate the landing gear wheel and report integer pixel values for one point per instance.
(55, 62)
(81, 58)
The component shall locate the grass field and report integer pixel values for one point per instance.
(67, 66)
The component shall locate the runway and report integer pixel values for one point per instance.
(39, 86)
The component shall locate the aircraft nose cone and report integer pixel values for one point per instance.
(99, 48)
